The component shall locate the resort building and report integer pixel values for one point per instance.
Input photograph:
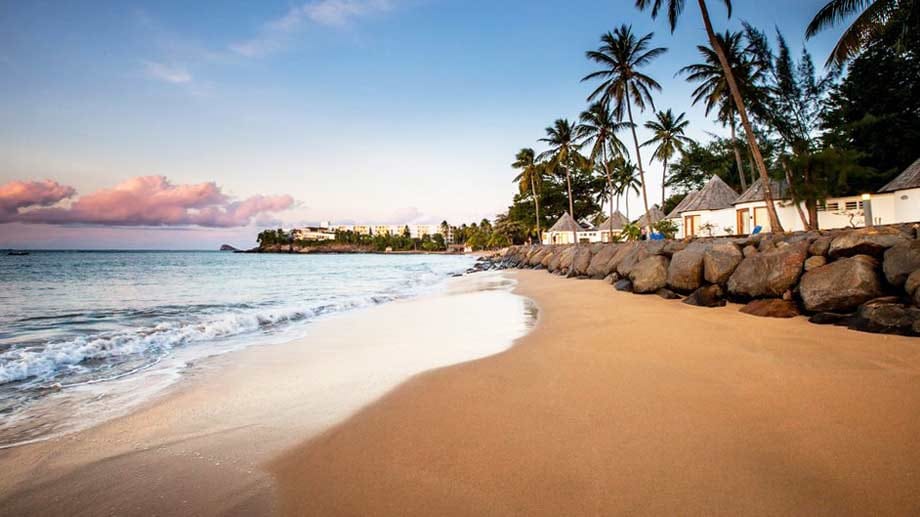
(565, 231)
(708, 211)
(651, 217)
(610, 230)
(313, 233)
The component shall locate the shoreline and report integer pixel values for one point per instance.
(603, 411)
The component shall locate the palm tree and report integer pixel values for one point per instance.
(875, 18)
(563, 153)
(531, 177)
(713, 88)
(625, 180)
(674, 8)
(621, 54)
(668, 134)
(599, 128)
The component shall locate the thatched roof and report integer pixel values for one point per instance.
(653, 216)
(566, 223)
(682, 206)
(618, 222)
(715, 195)
(910, 178)
(779, 189)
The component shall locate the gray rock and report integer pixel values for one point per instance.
(611, 278)
(814, 262)
(673, 247)
(667, 294)
(597, 268)
(623, 284)
(885, 318)
(582, 260)
(649, 275)
(865, 241)
(900, 261)
(768, 274)
(749, 251)
(685, 274)
(720, 261)
(841, 285)
(771, 308)
(566, 258)
(912, 285)
(819, 247)
(830, 318)
(707, 296)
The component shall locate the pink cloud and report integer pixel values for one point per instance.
(21, 194)
(141, 201)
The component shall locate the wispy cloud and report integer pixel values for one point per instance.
(167, 73)
(333, 13)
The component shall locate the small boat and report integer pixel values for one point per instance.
(18, 253)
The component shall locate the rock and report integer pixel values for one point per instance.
(912, 285)
(720, 261)
(771, 308)
(749, 251)
(673, 247)
(667, 294)
(567, 258)
(885, 318)
(788, 295)
(622, 252)
(630, 258)
(536, 259)
(865, 241)
(819, 247)
(685, 274)
(611, 278)
(841, 285)
(900, 261)
(623, 284)
(649, 275)
(815, 262)
(597, 268)
(553, 252)
(707, 296)
(582, 260)
(227, 247)
(768, 274)
(830, 318)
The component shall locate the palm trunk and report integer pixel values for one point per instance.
(610, 186)
(740, 165)
(775, 225)
(627, 204)
(632, 126)
(536, 203)
(568, 181)
(664, 178)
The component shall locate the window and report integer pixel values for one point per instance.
(833, 206)
(853, 205)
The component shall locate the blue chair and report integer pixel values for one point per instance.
(757, 229)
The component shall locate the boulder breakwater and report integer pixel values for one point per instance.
(867, 279)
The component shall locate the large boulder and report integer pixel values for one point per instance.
(537, 257)
(814, 262)
(900, 261)
(912, 284)
(707, 296)
(819, 247)
(623, 284)
(685, 274)
(841, 285)
(567, 258)
(865, 241)
(623, 250)
(771, 308)
(720, 261)
(886, 318)
(632, 256)
(768, 274)
(552, 253)
(649, 275)
(597, 268)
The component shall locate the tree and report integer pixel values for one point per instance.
(531, 176)
(875, 18)
(625, 179)
(674, 8)
(598, 127)
(669, 139)
(563, 153)
(621, 54)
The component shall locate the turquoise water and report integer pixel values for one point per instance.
(72, 318)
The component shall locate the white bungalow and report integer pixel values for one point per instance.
(905, 192)
(651, 217)
(708, 211)
(674, 215)
(565, 231)
(611, 229)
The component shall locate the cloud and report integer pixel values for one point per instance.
(167, 73)
(141, 201)
(334, 13)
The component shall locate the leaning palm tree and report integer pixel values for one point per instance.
(875, 18)
(531, 177)
(713, 90)
(561, 138)
(620, 55)
(625, 180)
(674, 8)
(599, 127)
(669, 139)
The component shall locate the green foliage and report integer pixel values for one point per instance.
(666, 227)
(631, 232)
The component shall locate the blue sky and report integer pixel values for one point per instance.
(378, 110)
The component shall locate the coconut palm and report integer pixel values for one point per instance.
(674, 9)
(713, 90)
(874, 18)
(598, 127)
(561, 138)
(625, 180)
(669, 139)
(620, 55)
(531, 177)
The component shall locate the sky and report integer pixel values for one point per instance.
(185, 125)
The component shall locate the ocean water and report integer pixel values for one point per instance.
(72, 319)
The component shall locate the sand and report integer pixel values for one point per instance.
(623, 404)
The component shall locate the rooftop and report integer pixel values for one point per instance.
(910, 178)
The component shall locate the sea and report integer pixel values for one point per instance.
(73, 319)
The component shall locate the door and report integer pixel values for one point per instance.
(761, 218)
(743, 220)
(690, 225)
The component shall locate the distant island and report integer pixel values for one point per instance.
(227, 247)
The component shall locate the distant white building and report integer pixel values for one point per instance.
(565, 231)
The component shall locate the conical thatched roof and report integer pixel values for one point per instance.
(682, 206)
(566, 223)
(617, 222)
(910, 178)
(715, 195)
(653, 216)
(755, 192)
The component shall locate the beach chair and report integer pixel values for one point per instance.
(757, 230)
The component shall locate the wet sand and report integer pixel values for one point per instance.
(201, 449)
(624, 404)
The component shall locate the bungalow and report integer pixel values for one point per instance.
(565, 231)
(708, 211)
(651, 218)
(611, 229)
(905, 192)
(674, 215)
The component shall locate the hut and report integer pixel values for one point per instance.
(905, 189)
(709, 210)
(612, 227)
(565, 231)
(650, 218)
